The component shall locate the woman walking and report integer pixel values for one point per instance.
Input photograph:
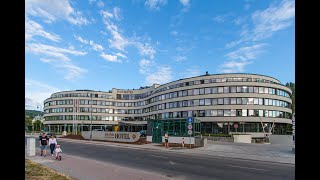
(52, 143)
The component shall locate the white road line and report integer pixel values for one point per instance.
(159, 156)
(248, 168)
(171, 162)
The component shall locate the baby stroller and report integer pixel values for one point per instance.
(58, 152)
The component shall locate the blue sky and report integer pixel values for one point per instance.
(100, 45)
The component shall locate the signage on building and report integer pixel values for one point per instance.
(235, 126)
(125, 92)
(189, 120)
(112, 136)
(189, 131)
(189, 126)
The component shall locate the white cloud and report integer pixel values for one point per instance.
(96, 47)
(34, 29)
(121, 55)
(51, 11)
(174, 33)
(58, 57)
(185, 2)
(100, 4)
(273, 19)
(160, 76)
(80, 39)
(145, 66)
(233, 66)
(247, 52)
(36, 92)
(219, 19)
(155, 4)
(145, 49)
(179, 58)
(111, 58)
(117, 13)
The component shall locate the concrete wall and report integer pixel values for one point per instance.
(253, 134)
(178, 140)
(112, 136)
(281, 139)
(242, 138)
(221, 139)
(149, 138)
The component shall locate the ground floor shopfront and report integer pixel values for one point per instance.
(256, 127)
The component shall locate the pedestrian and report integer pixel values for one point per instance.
(43, 142)
(52, 143)
(166, 138)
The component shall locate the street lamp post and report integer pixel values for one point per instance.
(91, 117)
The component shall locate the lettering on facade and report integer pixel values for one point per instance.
(117, 135)
(125, 92)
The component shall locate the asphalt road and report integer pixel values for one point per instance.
(183, 166)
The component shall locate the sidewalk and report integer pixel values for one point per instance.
(87, 169)
(257, 152)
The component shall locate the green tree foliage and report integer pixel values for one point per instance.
(37, 125)
(291, 85)
(33, 113)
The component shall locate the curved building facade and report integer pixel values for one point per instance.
(219, 101)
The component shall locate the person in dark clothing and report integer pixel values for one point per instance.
(43, 143)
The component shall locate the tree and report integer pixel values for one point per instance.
(292, 86)
(28, 122)
(37, 125)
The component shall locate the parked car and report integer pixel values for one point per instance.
(143, 133)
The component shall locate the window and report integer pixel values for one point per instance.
(244, 100)
(226, 100)
(250, 112)
(214, 112)
(266, 113)
(233, 89)
(232, 112)
(277, 103)
(184, 103)
(196, 102)
(233, 100)
(226, 89)
(250, 101)
(207, 102)
(220, 112)
(270, 102)
(179, 94)
(270, 113)
(260, 101)
(220, 89)
(190, 103)
(255, 89)
(239, 112)
(239, 89)
(184, 93)
(244, 89)
(207, 90)
(239, 101)
(244, 112)
(208, 113)
(270, 91)
(220, 100)
(201, 113)
(214, 101)
(201, 91)
(190, 92)
(266, 90)
(196, 92)
(201, 103)
(197, 82)
(250, 89)
(227, 112)
(256, 101)
(261, 89)
(266, 102)
(214, 90)
(184, 113)
(261, 113)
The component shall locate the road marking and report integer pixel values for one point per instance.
(171, 162)
(248, 168)
(159, 156)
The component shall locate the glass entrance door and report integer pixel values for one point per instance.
(156, 132)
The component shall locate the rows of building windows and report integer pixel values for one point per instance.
(184, 114)
(215, 80)
(222, 113)
(178, 104)
(105, 96)
(190, 92)
(218, 90)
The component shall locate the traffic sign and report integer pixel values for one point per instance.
(189, 131)
(189, 120)
(235, 126)
(189, 126)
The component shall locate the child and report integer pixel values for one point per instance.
(57, 150)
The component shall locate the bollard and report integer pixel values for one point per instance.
(31, 146)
